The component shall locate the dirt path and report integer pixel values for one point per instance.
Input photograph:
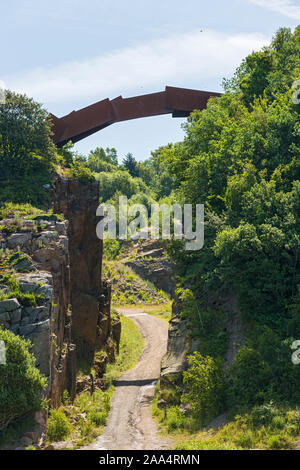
(130, 424)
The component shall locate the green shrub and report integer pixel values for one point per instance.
(263, 415)
(111, 248)
(97, 417)
(248, 365)
(27, 299)
(58, 426)
(175, 419)
(117, 183)
(21, 384)
(80, 172)
(203, 386)
(280, 442)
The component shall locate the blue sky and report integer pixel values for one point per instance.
(67, 54)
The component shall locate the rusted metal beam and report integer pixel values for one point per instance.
(77, 125)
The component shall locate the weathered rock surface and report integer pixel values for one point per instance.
(90, 313)
(174, 361)
(63, 270)
(18, 239)
(160, 270)
(9, 305)
(46, 325)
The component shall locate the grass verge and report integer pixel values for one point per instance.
(266, 427)
(162, 311)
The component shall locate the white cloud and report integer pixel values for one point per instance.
(284, 7)
(195, 56)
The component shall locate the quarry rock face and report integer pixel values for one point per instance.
(174, 362)
(60, 267)
(91, 323)
(45, 274)
(152, 264)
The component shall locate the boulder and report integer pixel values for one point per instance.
(41, 417)
(62, 445)
(25, 321)
(24, 265)
(15, 316)
(28, 225)
(4, 318)
(63, 242)
(39, 283)
(33, 436)
(40, 338)
(46, 237)
(61, 227)
(26, 441)
(18, 239)
(9, 305)
(174, 361)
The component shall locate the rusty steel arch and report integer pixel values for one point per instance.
(77, 125)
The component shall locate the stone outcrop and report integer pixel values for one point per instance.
(48, 324)
(33, 437)
(180, 335)
(90, 311)
(67, 314)
(152, 264)
(174, 361)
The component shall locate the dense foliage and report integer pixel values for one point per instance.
(21, 384)
(203, 386)
(241, 158)
(27, 153)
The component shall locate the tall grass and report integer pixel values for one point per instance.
(131, 346)
(266, 427)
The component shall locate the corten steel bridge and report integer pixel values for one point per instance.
(77, 125)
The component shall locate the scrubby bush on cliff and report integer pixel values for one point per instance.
(79, 171)
(21, 384)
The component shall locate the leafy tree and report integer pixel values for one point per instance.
(27, 153)
(130, 164)
(241, 158)
(21, 383)
(80, 172)
(119, 181)
(203, 386)
(103, 160)
(271, 71)
(248, 365)
(68, 155)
